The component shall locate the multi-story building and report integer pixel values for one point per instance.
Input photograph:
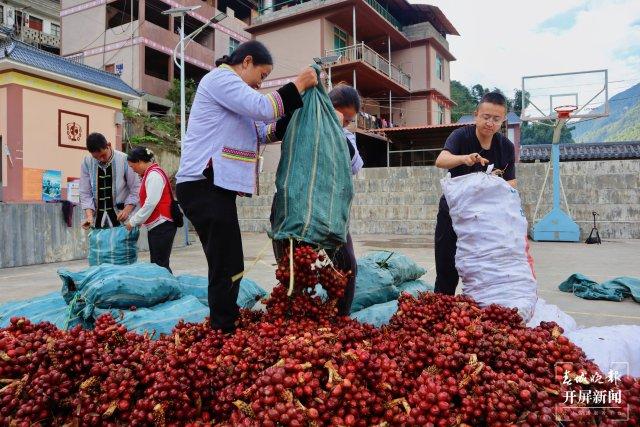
(134, 39)
(36, 22)
(395, 53)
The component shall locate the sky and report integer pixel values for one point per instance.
(502, 40)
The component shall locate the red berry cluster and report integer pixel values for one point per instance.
(442, 361)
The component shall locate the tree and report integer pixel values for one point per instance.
(467, 99)
(466, 102)
(478, 91)
(173, 95)
(517, 102)
(542, 133)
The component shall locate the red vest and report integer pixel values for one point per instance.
(163, 208)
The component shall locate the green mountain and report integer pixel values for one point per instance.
(622, 124)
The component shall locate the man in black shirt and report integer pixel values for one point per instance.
(470, 149)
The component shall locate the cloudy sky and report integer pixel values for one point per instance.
(502, 40)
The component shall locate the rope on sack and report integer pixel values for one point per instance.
(255, 261)
(290, 267)
(70, 313)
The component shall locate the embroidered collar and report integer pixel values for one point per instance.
(108, 162)
(228, 67)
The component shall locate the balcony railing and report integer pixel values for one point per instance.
(289, 7)
(385, 13)
(362, 52)
(30, 35)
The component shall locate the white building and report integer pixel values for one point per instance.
(36, 22)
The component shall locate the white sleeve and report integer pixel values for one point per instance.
(234, 94)
(356, 161)
(154, 185)
(87, 200)
(266, 132)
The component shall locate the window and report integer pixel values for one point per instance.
(439, 67)
(156, 63)
(1, 14)
(110, 68)
(55, 30)
(233, 44)
(118, 12)
(440, 114)
(35, 23)
(340, 38)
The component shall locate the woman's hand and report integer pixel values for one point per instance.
(128, 225)
(306, 79)
(123, 215)
(340, 117)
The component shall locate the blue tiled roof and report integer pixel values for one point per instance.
(31, 56)
(586, 151)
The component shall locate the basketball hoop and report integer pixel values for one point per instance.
(564, 111)
(555, 100)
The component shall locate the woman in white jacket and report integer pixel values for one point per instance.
(219, 161)
(155, 201)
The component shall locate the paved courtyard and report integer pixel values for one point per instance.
(554, 263)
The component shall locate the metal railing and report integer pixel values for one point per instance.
(362, 52)
(290, 4)
(385, 13)
(76, 57)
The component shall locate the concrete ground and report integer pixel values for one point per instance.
(554, 263)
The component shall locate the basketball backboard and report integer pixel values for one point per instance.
(588, 91)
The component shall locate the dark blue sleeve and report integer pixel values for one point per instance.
(454, 141)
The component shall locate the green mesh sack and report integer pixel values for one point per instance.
(313, 181)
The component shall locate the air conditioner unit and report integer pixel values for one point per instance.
(119, 118)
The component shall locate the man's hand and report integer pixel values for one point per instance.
(473, 158)
(128, 225)
(123, 215)
(88, 219)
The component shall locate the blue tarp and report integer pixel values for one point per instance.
(415, 287)
(161, 318)
(46, 308)
(612, 290)
(401, 267)
(118, 286)
(250, 292)
(374, 285)
(115, 245)
(377, 315)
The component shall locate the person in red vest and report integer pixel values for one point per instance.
(155, 201)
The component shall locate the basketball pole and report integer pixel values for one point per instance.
(557, 225)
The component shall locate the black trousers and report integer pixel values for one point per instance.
(445, 252)
(212, 211)
(343, 258)
(161, 242)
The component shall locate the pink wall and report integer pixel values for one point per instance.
(293, 47)
(413, 61)
(41, 150)
(3, 132)
(13, 137)
(442, 86)
(414, 112)
(29, 126)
